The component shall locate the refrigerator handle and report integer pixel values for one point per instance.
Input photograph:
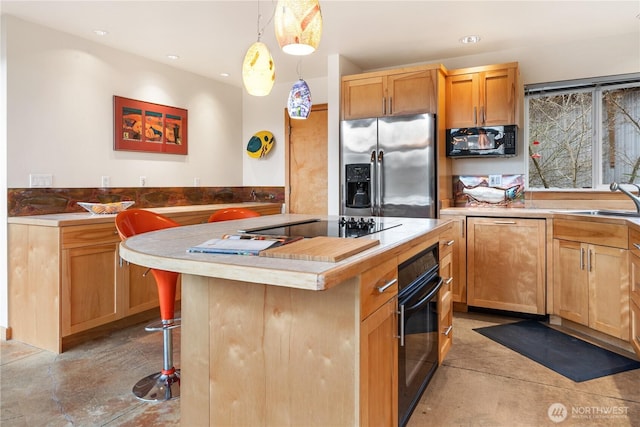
(374, 186)
(380, 181)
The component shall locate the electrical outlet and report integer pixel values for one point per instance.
(106, 181)
(143, 181)
(40, 180)
(196, 182)
(495, 180)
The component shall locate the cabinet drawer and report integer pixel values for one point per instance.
(372, 280)
(634, 241)
(446, 244)
(86, 235)
(597, 233)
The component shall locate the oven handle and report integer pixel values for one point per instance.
(401, 314)
(428, 297)
(403, 311)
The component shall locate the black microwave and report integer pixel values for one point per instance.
(491, 141)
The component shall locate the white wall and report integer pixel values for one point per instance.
(60, 115)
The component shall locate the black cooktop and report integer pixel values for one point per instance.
(343, 227)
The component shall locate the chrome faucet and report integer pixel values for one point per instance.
(636, 200)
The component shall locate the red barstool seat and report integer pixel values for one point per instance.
(232, 213)
(163, 385)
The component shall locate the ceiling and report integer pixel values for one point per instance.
(211, 37)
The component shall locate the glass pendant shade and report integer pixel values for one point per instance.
(299, 103)
(258, 70)
(298, 25)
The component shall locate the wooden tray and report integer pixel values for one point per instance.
(327, 249)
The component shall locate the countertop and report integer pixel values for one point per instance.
(167, 249)
(540, 213)
(86, 218)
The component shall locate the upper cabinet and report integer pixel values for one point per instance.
(390, 93)
(483, 96)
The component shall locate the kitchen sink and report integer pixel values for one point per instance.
(605, 212)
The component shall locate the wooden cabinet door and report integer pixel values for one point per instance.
(571, 292)
(635, 327)
(506, 264)
(462, 99)
(609, 290)
(89, 287)
(379, 367)
(412, 93)
(362, 98)
(497, 106)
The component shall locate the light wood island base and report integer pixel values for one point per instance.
(258, 355)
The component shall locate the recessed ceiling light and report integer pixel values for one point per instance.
(224, 74)
(470, 39)
(173, 57)
(100, 32)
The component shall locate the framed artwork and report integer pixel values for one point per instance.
(144, 126)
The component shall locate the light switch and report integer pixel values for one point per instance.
(40, 180)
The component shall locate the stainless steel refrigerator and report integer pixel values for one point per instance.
(388, 166)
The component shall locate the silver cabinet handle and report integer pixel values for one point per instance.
(386, 286)
(589, 260)
(475, 115)
(448, 331)
(637, 245)
(504, 222)
(449, 280)
(384, 106)
(390, 105)
(450, 242)
(581, 258)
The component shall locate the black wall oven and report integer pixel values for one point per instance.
(418, 286)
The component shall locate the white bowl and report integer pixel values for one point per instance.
(106, 208)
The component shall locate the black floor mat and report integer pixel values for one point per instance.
(567, 355)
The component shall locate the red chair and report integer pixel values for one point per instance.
(163, 385)
(232, 213)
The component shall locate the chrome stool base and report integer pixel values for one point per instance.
(158, 387)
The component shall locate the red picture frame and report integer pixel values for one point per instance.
(149, 127)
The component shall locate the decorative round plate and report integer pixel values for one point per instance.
(260, 144)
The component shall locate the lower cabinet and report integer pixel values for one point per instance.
(592, 286)
(379, 367)
(634, 289)
(506, 264)
(67, 279)
(379, 345)
(447, 250)
(591, 278)
(90, 282)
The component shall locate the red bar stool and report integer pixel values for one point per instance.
(163, 385)
(232, 213)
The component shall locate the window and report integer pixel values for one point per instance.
(583, 134)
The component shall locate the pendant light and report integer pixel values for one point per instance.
(298, 25)
(299, 102)
(258, 69)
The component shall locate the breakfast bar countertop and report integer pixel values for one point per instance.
(167, 250)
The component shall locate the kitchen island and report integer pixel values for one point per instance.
(276, 342)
